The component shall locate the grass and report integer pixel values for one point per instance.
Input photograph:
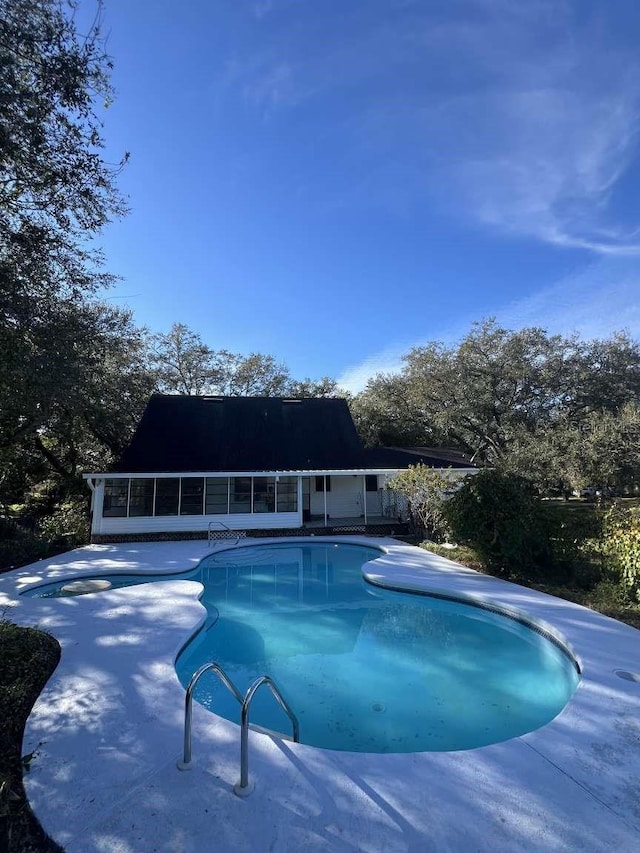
(605, 596)
(28, 658)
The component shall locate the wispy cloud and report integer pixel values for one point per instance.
(600, 300)
(353, 379)
(595, 303)
(552, 163)
(518, 117)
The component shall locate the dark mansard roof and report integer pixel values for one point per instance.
(402, 457)
(182, 433)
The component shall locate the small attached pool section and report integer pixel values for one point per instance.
(365, 669)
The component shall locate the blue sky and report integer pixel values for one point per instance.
(334, 182)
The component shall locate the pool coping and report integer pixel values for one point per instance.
(109, 725)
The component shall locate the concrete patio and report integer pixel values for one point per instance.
(107, 731)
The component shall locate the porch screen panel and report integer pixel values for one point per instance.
(141, 496)
(167, 495)
(217, 496)
(191, 494)
(320, 482)
(371, 481)
(116, 494)
(287, 494)
(240, 494)
(264, 494)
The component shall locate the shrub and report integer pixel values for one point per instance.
(18, 545)
(424, 490)
(67, 526)
(501, 517)
(608, 597)
(24, 539)
(621, 544)
(575, 531)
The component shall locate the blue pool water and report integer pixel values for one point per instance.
(367, 669)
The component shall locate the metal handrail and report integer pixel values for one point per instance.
(242, 788)
(211, 538)
(185, 763)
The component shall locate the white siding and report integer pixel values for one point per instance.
(186, 523)
(113, 525)
(374, 504)
(343, 501)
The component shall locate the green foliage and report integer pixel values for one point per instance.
(558, 411)
(254, 375)
(183, 364)
(28, 659)
(45, 525)
(621, 544)
(18, 545)
(56, 193)
(477, 393)
(459, 553)
(586, 587)
(501, 517)
(610, 597)
(67, 526)
(575, 531)
(51, 517)
(605, 451)
(385, 413)
(323, 387)
(73, 376)
(425, 490)
(73, 379)
(599, 449)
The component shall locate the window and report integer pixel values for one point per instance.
(287, 490)
(141, 496)
(240, 494)
(320, 483)
(371, 482)
(191, 493)
(264, 494)
(167, 495)
(217, 496)
(116, 493)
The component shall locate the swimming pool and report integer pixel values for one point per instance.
(367, 669)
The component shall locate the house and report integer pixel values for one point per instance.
(249, 463)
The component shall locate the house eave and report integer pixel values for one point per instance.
(312, 472)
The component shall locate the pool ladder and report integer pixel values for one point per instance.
(242, 788)
(218, 532)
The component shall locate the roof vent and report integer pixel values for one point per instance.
(291, 401)
(213, 399)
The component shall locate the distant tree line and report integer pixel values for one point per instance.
(561, 411)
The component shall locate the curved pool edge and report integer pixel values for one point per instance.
(338, 725)
(141, 558)
(421, 586)
(579, 771)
